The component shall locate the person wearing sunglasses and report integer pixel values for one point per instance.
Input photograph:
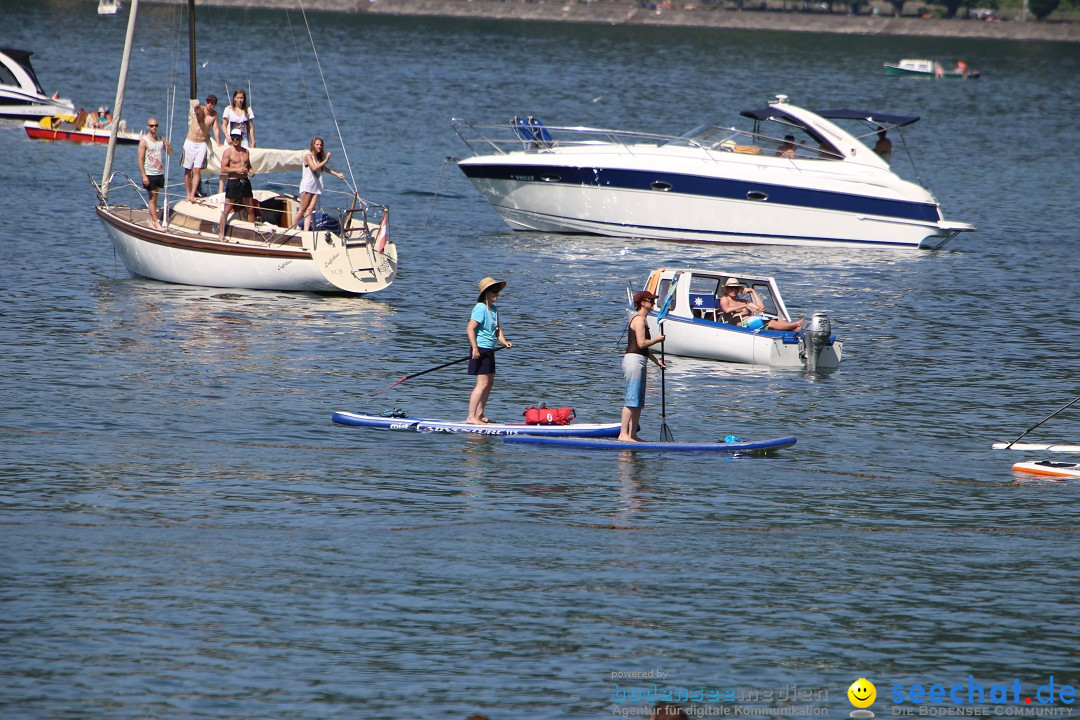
(152, 151)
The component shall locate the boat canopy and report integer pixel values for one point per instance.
(876, 118)
(22, 58)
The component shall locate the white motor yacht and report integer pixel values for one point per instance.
(808, 182)
(21, 95)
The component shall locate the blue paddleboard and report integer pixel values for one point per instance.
(584, 430)
(755, 446)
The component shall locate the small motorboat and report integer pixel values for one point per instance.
(108, 7)
(77, 128)
(21, 95)
(694, 325)
(797, 178)
(909, 67)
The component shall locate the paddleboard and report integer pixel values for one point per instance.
(584, 430)
(1037, 446)
(748, 446)
(1048, 467)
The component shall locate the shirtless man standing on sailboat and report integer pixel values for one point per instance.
(201, 121)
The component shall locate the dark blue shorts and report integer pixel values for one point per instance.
(237, 189)
(485, 364)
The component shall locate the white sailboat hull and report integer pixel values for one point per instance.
(191, 258)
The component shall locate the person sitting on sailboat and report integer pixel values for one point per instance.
(236, 164)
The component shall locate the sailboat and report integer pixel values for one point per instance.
(351, 252)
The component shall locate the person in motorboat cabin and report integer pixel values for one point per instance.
(747, 312)
(239, 115)
(152, 167)
(311, 184)
(483, 330)
(787, 148)
(883, 146)
(236, 164)
(201, 122)
(635, 365)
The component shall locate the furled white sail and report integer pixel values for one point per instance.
(263, 160)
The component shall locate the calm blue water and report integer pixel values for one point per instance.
(186, 535)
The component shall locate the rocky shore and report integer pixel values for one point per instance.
(710, 15)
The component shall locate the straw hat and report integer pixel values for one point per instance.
(489, 283)
(733, 282)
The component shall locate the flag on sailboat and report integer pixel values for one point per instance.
(383, 235)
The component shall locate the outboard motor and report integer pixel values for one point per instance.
(815, 335)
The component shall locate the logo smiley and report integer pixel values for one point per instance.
(862, 693)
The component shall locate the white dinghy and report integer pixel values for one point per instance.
(694, 326)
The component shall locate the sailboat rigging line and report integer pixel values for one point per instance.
(326, 90)
(438, 187)
(303, 79)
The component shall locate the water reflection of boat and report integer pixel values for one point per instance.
(21, 95)
(695, 326)
(909, 67)
(348, 252)
(713, 184)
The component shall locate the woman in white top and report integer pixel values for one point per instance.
(238, 114)
(311, 186)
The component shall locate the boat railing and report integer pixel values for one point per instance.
(513, 137)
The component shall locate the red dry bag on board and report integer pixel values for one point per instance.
(544, 415)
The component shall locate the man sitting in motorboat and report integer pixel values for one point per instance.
(749, 312)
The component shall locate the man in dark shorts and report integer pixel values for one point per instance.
(152, 167)
(236, 166)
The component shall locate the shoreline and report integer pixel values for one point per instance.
(630, 12)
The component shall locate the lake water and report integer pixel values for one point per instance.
(186, 534)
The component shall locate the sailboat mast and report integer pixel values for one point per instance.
(118, 105)
(191, 49)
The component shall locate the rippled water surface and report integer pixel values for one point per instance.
(186, 534)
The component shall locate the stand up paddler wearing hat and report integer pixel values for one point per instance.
(484, 330)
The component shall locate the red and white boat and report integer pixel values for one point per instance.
(76, 128)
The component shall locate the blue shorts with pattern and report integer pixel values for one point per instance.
(633, 367)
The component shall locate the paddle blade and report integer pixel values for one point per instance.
(665, 434)
(403, 379)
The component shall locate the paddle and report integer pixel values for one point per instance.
(665, 431)
(425, 372)
(1041, 422)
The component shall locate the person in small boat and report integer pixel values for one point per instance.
(635, 365)
(201, 122)
(236, 164)
(786, 148)
(483, 331)
(311, 185)
(961, 69)
(737, 309)
(152, 166)
(883, 146)
(239, 115)
(102, 118)
(939, 71)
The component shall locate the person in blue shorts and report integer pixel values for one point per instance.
(483, 331)
(634, 365)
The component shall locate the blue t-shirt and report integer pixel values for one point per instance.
(488, 320)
